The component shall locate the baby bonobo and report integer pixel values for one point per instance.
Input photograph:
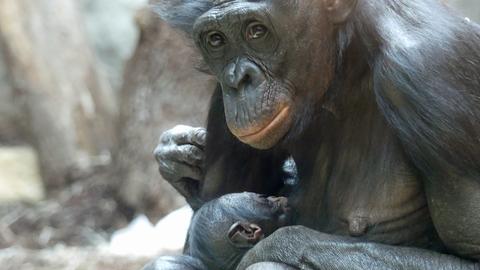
(224, 229)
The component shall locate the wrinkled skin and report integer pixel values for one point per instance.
(377, 101)
(241, 45)
(327, 252)
(180, 155)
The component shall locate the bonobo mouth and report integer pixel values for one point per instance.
(270, 129)
(280, 203)
(282, 210)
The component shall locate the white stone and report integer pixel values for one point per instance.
(20, 178)
(141, 238)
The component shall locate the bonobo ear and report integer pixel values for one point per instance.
(182, 14)
(339, 10)
(245, 234)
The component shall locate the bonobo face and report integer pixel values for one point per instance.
(267, 214)
(272, 59)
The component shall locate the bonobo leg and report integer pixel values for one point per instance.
(304, 248)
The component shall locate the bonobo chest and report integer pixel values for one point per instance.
(363, 186)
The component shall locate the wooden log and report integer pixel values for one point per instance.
(69, 107)
(161, 89)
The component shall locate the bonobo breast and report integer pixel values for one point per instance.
(364, 185)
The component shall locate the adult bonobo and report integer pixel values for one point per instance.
(378, 102)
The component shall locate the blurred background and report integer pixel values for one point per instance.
(86, 88)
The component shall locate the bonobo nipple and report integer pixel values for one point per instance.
(357, 226)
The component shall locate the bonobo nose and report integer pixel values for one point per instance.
(243, 74)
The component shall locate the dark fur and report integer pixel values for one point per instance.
(245, 164)
(437, 82)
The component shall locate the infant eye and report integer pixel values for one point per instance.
(256, 30)
(215, 40)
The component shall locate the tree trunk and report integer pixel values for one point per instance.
(9, 110)
(161, 89)
(67, 105)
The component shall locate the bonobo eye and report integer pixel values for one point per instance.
(256, 30)
(215, 40)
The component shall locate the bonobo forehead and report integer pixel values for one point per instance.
(230, 11)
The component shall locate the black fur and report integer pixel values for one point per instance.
(244, 165)
(426, 80)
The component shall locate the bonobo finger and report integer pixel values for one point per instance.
(160, 152)
(189, 135)
(174, 171)
(172, 135)
(182, 170)
(189, 154)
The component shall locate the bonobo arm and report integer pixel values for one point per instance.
(433, 105)
(304, 248)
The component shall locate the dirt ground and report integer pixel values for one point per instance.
(65, 232)
(63, 258)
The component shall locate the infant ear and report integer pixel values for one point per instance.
(182, 14)
(245, 234)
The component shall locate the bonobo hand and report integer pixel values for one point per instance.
(293, 246)
(180, 155)
(303, 248)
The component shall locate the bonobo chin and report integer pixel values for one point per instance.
(224, 229)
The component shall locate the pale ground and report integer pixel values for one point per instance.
(34, 234)
(62, 258)
(129, 249)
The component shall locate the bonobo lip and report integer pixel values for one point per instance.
(266, 130)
